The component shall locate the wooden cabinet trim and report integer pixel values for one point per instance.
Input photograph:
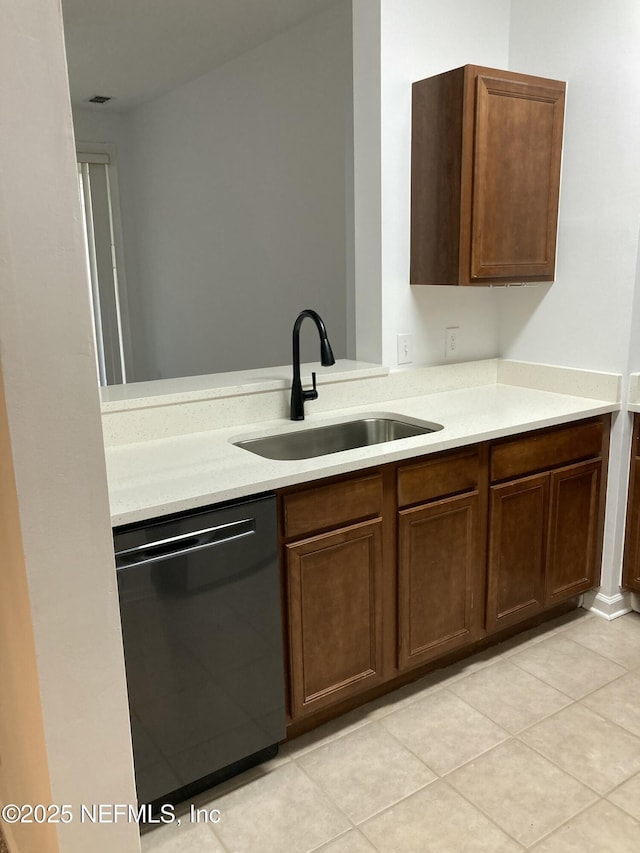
(325, 506)
(438, 477)
(547, 449)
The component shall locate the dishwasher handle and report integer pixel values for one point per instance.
(185, 543)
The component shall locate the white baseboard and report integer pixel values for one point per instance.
(610, 606)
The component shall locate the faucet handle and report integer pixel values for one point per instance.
(311, 393)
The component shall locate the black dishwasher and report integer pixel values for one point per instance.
(202, 631)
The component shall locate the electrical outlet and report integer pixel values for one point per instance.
(404, 349)
(451, 341)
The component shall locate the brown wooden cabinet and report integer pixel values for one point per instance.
(334, 591)
(518, 521)
(485, 177)
(388, 570)
(631, 565)
(545, 537)
(440, 566)
(575, 531)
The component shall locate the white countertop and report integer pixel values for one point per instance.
(142, 395)
(181, 472)
(633, 399)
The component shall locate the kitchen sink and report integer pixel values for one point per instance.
(348, 435)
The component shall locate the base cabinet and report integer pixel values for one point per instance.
(440, 570)
(334, 595)
(387, 571)
(545, 528)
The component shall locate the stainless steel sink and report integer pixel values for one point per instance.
(316, 441)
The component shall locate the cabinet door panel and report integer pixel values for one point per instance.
(573, 530)
(631, 573)
(517, 550)
(437, 578)
(516, 179)
(335, 615)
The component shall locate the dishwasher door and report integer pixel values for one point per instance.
(202, 630)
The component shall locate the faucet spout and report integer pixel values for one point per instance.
(298, 394)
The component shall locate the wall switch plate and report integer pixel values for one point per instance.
(451, 341)
(404, 349)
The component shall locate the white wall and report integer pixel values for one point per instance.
(585, 319)
(240, 211)
(64, 727)
(421, 38)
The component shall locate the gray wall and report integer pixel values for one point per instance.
(237, 204)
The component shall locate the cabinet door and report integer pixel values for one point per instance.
(631, 572)
(517, 550)
(573, 530)
(335, 615)
(438, 586)
(516, 178)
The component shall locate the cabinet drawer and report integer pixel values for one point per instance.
(333, 505)
(546, 450)
(437, 477)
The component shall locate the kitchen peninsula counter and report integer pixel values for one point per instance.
(176, 452)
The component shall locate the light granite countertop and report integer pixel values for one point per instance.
(149, 478)
(633, 400)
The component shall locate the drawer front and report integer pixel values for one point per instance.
(438, 477)
(546, 450)
(333, 505)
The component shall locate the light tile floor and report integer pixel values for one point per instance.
(533, 745)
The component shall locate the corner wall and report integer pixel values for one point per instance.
(585, 319)
(69, 715)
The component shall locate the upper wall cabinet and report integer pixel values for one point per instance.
(485, 177)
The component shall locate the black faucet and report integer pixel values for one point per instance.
(298, 393)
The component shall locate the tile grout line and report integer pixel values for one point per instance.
(389, 805)
(506, 733)
(538, 840)
(479, 808)
(564, 823)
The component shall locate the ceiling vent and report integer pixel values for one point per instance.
(99, 99)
